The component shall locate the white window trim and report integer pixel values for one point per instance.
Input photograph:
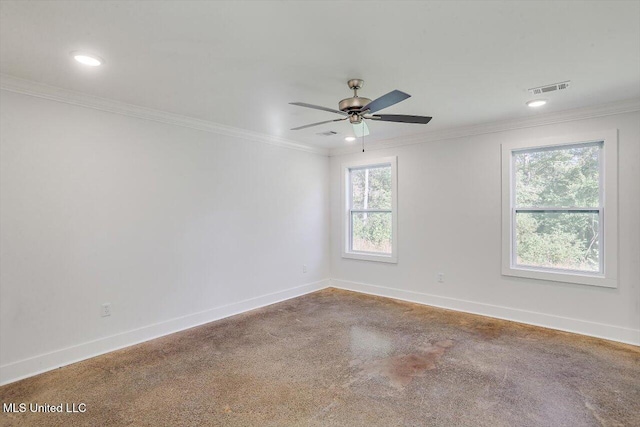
(609, 209)
(346, 222)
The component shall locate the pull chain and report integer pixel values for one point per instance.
(363, 135)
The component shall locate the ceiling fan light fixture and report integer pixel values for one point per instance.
(536, 103)
(87, 59)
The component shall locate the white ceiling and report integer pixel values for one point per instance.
(240, 63)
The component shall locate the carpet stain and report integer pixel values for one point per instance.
(489, 330)
(400, 370)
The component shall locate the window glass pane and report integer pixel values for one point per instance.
(560, 177)
(371, 232)
(371, 188)
(566, 240)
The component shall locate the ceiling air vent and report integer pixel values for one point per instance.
(549, 88)
(327, 133)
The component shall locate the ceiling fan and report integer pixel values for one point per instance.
(358, 109)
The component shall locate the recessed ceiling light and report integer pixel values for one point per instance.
(536, 103)
(350, 138)
(87, 59)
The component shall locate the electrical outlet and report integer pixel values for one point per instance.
(106, 309)
(304, 268)
(440, 277)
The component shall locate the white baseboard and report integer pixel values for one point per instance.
(45, 362)
(583, 327)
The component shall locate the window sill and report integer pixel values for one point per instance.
(581, 279)
(371, 257)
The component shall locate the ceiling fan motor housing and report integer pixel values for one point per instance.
(351, 104)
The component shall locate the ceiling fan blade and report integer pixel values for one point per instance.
(385, 101)
(360, 129)
(401, 118)
(319, 123)
(317, 107)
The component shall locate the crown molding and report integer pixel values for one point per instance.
(40, 90)
(620, 107)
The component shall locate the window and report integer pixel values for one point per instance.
(369, 202)
(559, 209)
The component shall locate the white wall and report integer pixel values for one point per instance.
(176, 227)
(449, 221)
(172, 226)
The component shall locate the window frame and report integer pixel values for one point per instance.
(608, 159)
(347, 252)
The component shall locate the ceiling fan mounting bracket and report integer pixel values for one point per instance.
(355, 84)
